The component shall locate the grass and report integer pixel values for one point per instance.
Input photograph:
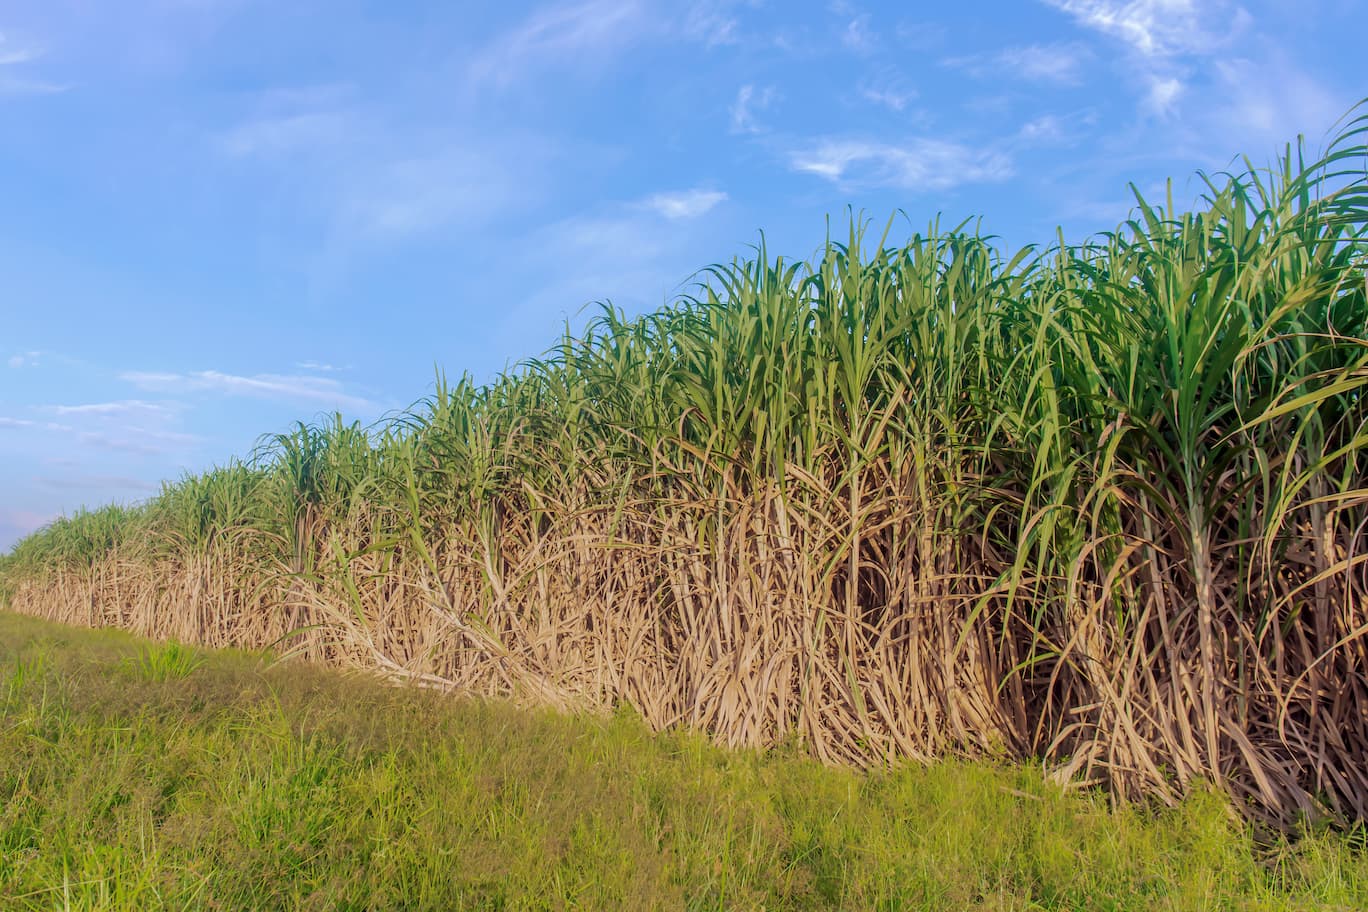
(1099, 506)
(165, 662)
(243, 783)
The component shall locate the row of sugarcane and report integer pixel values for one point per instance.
(1100, 506)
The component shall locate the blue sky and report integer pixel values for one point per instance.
(220, 216)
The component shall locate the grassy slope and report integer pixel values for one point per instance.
(133, 776)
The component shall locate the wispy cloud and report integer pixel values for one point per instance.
(24, 359)
(920, 36)
(921, 164)
(280, 134)
(380, 180)
(557, 33)
(18, 423)
(1060, 64)
(1157, 28)
(711, 23)
(625, 253)
(1041, 130)
(1269, 100)
(296, 119)
(297, 387)
(125, 425)
(151, 380)
(14, 80)
(12, 53)
(1162, 39)
(1181, 55)
(122, 408)
(887, 97)
(138, 440)
(749, 101)
(597, 240)
(129, 426)
(685, 203)
(583, 35)
(1055, 129)
(859, 36)
(856, 32)
(422, 193)
(1162, 94)
(888, 88)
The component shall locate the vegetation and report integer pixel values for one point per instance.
(1100, 506)
(248, 785)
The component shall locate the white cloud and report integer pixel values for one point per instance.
(888, 88)
(1162, 95)
(1228, 106)
(888, 97)
(140, 440)
(1269, 101)
(269, 136)
(1056, 129)
(14, 57)
(1043, 129)
(375, 179)
(15, 423)
(556, 33)
(922, 164)
(103, 426)
(455, 185)
(380, 180)
(597, 241)
(712, 24)
(13, 85)
(127, 425)
(1060, 64)
(150, 380)
(1158, 28)
(24, 359)
(748, 102)
(858, 36)
(121, 408)
(586, 34)
(296, 119)
(300, 388)
(12, 53)
(624, 253)
(1170, 42)
(685, 203)
(920, 36)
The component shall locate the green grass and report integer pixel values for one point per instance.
(233, 783)
(165, 662)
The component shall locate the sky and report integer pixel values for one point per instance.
(219, 217)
